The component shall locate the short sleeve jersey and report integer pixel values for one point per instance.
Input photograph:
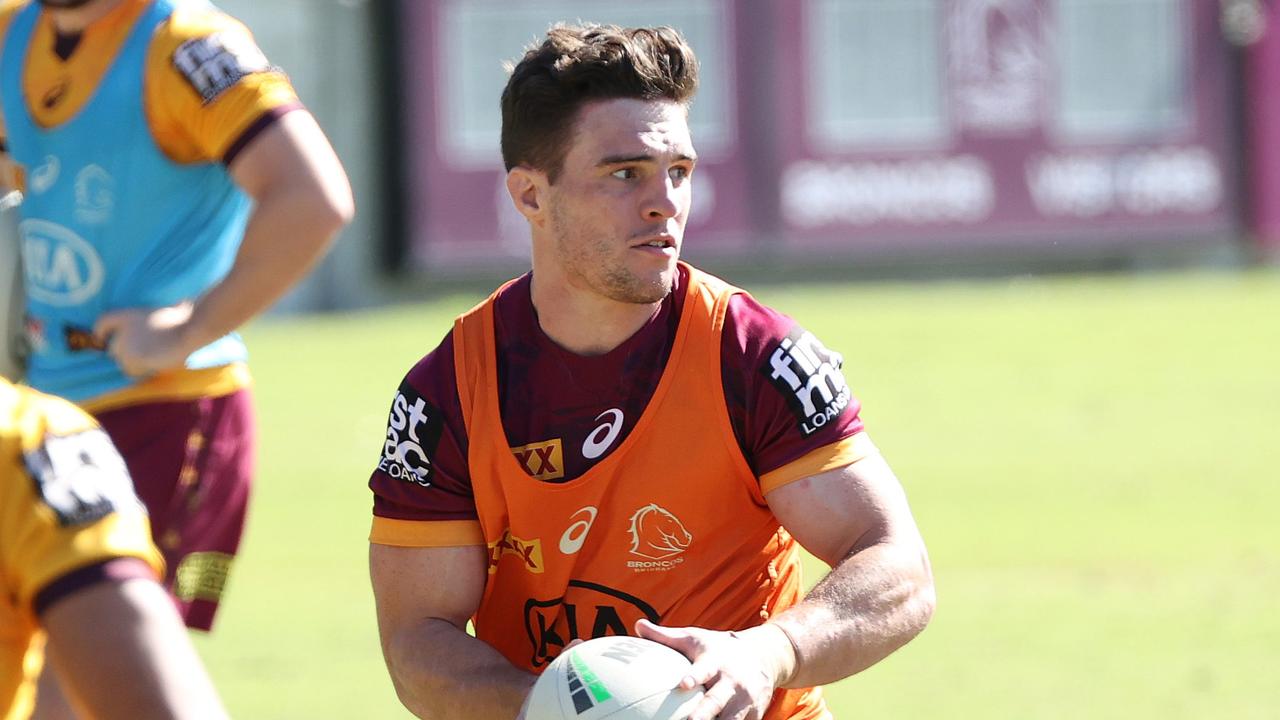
(66, 505)
(789, 405)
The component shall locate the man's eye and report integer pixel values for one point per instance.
(679, 173)
(625, 174)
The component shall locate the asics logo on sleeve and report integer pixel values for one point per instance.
(603, 436)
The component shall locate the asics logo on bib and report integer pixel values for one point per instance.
(603, 436)
(44, 175)
(808, 375)
(413, 432)
(60, 267)
(576, 534)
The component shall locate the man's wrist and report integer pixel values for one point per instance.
(774, 644)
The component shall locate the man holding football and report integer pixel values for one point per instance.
(618, 443)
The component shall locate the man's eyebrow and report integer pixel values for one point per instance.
(643, 157)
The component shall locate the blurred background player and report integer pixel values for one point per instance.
(613, 443)
(174, 187)
(78, 575)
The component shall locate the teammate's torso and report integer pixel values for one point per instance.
(109, 222)
(669, 526)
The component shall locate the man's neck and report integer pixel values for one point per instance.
(583, 322)
(72, 21)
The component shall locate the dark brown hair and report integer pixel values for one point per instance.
(577, 64)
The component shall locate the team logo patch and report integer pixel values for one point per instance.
(413, 432)
(202, 576)
(95, 195)
(216, 62)
(529, 552)
(808, 375)
(586, 610)
(542, 460)
(81, 477)
(657, 536)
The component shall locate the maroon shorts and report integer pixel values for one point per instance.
(191, 462)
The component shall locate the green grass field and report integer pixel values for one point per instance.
(1094, 462)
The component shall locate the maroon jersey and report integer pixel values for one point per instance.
(562, 412)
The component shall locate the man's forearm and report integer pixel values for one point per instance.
(442, 673)
(869, 605)
(287, 234)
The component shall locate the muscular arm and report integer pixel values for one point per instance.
(879, 593)
(301, 198)
(424, 598)
(122, 652)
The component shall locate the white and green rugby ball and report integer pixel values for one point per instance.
(619, 678)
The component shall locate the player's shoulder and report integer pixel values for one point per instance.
(755, 325)
(436, 366)
(29, 415)
(195, 20)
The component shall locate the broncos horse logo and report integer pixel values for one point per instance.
(657, 534)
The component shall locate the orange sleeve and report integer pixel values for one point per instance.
(425, 533)
(828, 457)
(73, 503)
(208, 84)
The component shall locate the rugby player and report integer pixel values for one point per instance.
(619, 443)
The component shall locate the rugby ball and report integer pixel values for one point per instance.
(619, 678)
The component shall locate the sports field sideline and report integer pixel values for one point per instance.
(1093, 460)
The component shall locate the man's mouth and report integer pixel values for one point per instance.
(661, 242)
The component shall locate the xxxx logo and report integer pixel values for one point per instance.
(542, 460)
(529, 552)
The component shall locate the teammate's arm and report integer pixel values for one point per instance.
(121, 652)
(301, 199)
(424, 598)
(878, 595)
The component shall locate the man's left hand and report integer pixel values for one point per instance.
(739, 670)
(147, 341)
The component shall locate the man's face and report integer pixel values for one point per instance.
(618, 209)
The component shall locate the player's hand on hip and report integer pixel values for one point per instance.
(146, 341)
(740, 670)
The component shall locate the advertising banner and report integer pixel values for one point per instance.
(978, 122)
(830, 126)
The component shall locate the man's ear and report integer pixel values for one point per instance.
(528, 190)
